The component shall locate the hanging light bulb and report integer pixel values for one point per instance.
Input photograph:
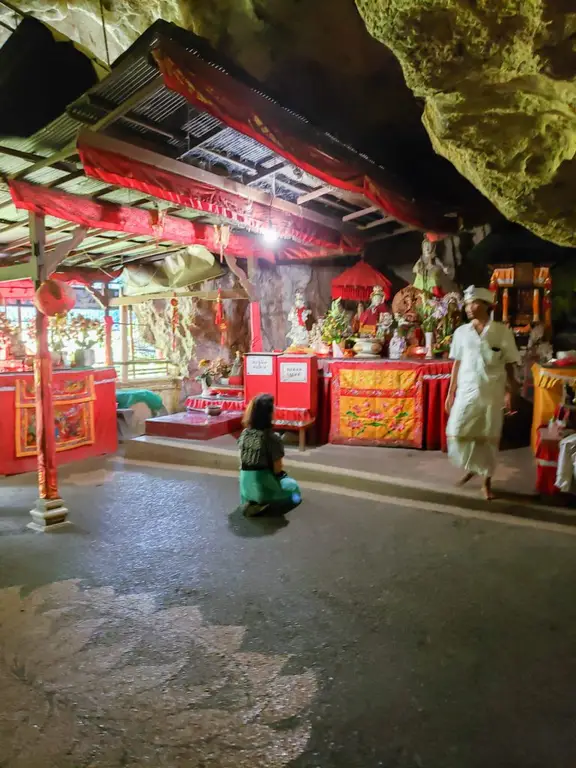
(270, 236)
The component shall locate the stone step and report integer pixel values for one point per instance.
(194, 454)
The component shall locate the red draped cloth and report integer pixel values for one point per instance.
(436, 377)
(211, 89)
(547, 452)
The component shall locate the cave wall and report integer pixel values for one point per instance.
(499, 82)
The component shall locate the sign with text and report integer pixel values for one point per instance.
(259, 365)
(294, 373)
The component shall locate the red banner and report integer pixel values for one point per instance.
(116, 168)
(137, 221)
(212, 90)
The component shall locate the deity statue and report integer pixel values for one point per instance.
(397, 346)
(298, 335)
(385, 325)
(237, 368)
(431, 276)
(370, 318)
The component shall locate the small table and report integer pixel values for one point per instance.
(294, 420)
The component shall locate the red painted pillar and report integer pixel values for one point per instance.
(45, 433)
(108, 323)
(49, 511)
(255, 327)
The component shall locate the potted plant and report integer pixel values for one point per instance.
(335, 328)
(431, 312)
(58, 338)
(86, 334)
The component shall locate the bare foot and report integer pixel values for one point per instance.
(466, 479)
(489, 494)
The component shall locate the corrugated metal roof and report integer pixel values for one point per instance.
(165, 122)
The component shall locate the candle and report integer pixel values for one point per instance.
(505, 305)
(536, 306)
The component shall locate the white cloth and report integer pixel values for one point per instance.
(566, 472)
(475, 423)
(472, 293)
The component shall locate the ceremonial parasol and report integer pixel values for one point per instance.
(358, 282)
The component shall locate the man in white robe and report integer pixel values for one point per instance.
(482, 385)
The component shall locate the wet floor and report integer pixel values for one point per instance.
(162, 630)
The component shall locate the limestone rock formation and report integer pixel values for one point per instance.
(499, 81)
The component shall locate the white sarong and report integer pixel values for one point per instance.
(475, 424)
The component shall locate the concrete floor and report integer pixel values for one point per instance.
(353, 634)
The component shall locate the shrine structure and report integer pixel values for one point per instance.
(174, 149)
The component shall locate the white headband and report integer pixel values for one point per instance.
(472, 293)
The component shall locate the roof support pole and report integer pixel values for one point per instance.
(256, 344)
(49, 512)
(108, 325)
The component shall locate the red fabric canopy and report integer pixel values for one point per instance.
(115, 168)
(356, 283)
(212, 90)
(23, 290)
(119, 218)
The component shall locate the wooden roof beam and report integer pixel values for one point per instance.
(218, 182)
(377, 223)
(359, 214)
(314, 194)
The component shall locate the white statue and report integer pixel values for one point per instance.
(431, 276)
(397, 346)
(298, 335)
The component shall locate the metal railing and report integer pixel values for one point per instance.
(145, 369)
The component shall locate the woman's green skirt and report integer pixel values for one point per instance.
(261, 486)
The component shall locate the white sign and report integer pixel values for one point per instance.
(293, 373)
(260, 365)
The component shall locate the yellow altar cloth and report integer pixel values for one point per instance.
(548, 393)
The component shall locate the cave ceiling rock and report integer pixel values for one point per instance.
(499, 82)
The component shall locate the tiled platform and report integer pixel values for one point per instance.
(194, 425)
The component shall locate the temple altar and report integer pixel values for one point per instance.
(394, 403)
(84, 416)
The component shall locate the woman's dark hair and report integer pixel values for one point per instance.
(259, 413)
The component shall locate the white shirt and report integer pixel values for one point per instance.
(483, 356)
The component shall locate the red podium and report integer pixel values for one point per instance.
(260, 374)
(297, 393)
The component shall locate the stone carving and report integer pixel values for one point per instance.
(94, 678)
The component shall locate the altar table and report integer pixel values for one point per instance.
(398, 403)
(548, 394)
(84, 415)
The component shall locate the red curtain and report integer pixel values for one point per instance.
(23, 290)
(119, 218)
(116, 168)
(212, 90)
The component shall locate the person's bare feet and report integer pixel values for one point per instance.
(466, 479)
(489, 494)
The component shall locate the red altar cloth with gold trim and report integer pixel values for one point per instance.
(84, 415)
(396, 403)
